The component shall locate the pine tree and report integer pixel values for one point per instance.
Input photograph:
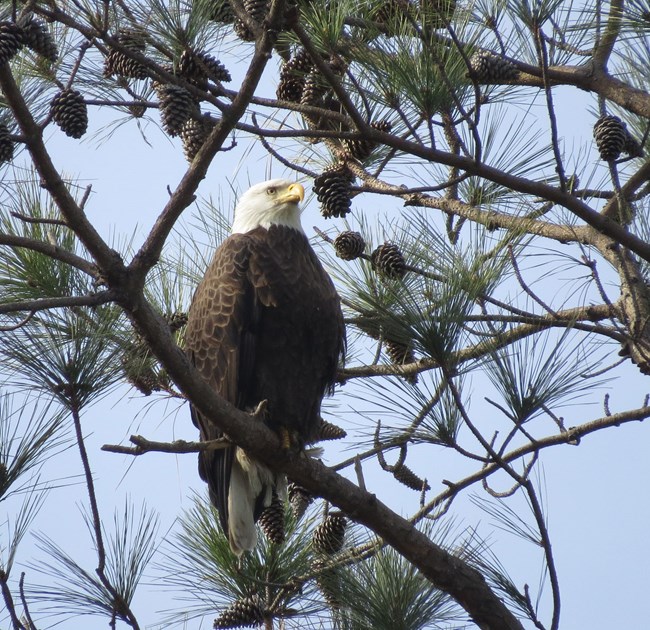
(481, 175)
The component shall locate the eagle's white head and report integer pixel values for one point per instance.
(274, 202)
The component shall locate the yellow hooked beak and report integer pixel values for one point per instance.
(295, 194)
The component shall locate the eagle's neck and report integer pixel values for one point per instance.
(246, 222)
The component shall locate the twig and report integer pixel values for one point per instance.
(120, 605)
(21, 586)
(531, 610)
(280, 158)
(525, 287)
(9, 602)
(555, 142)
(20, 324)
(142, 445)
(358, 469)
(33, 306)
(42, 221)
(559, 420)
(548, 551)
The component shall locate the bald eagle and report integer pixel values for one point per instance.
(265, 324)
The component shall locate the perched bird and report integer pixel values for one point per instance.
(265, 324)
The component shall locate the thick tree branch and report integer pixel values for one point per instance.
(448, 573)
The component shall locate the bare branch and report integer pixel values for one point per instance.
(142, 446)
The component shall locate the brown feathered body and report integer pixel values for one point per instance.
(265, 324)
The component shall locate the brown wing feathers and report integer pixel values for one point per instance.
(218, 344)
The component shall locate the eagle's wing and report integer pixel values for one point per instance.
(220, 341)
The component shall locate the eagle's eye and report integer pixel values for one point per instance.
(270, 190)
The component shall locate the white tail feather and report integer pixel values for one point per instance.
(248, 479)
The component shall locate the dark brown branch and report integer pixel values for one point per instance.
(20, 324)
(28, 219)
(571, 436)
(563, 319)
(447, 572)
(49, 250)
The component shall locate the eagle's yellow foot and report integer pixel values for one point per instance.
(285, 438)
(290, 440)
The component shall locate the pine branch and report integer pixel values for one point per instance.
(571, 436)
(573, 318)
(51, 251)
(33, 306)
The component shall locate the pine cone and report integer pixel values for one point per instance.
(242, 31)
(329, 583)
(198, 67)
(139, 373)
(488, 67)
(70, 113)
(138, 365)
(119, 64)
(221, 11)
(299, 498)
(332, 189)
(37, 38)
(610, 134)
(292, 76)
(388, 261)
(407, 477)
(257, 11)
(176, 107)
(328, 537)
(314, 89)
(435, 13)
(391, 10)
(632, 146)
(6, 144)
(11, 40)
(272, 521)
(400, 353)
(349, 245)
(361, 149)
(193, 134)
(329, 431)
(176, 320)
(244, 613)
